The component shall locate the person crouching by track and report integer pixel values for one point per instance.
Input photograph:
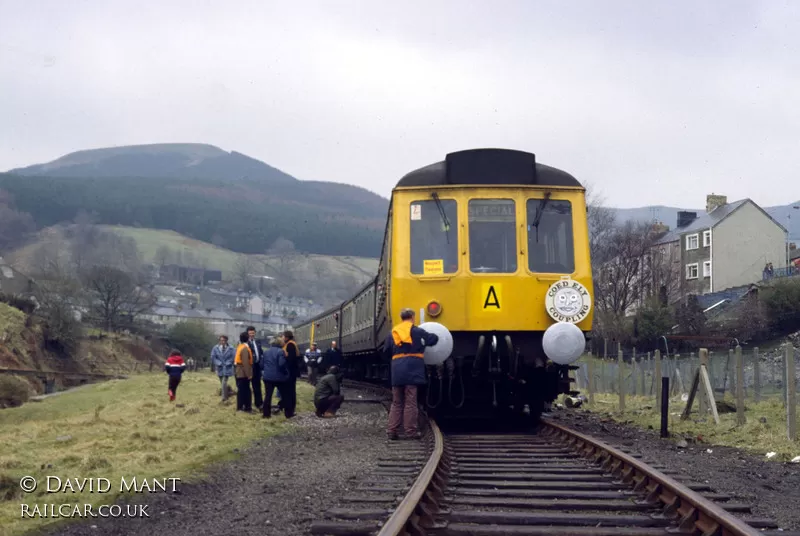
(222, 357)
(174, 367)
(327, 395)
(407, 348)
(243, 370)
(275, 372)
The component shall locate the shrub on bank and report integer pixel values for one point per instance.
(14, 391)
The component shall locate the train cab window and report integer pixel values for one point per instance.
(550, 239)
(492, 236)
(434, 237)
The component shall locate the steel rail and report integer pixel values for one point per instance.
(404, 515)
(695, 511)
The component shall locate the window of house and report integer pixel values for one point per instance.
(550, 247)
(706, 238)
(492, 236)
(707, 269)
(692, 241)
(434, 237)
(691, 270)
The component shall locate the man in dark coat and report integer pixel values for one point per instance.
(258, 352)
(332, 357)
(406, 346)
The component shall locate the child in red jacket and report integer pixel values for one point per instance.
(174, 367)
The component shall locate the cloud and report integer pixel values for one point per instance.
(652, 103)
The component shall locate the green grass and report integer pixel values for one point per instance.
(122, 428)
(754, 436)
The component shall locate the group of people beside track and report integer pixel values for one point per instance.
(279, 367)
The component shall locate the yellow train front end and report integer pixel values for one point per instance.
(505, 266)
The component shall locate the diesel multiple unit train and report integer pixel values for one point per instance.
(495, 247)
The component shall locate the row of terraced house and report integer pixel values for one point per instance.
(729, 246)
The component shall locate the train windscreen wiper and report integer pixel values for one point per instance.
(442, 213)
(540, 212)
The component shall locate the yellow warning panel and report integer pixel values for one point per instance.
(433, 267)
(491, 297)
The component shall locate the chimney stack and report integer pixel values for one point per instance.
(715, 201)
(685, 218)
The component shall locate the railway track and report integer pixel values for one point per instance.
(555, 482)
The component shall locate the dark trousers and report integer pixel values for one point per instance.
(256, 381)
(243, 401)
(312, 374)
(289, 397)
(174, 381)
(329, 404)
(269, 389)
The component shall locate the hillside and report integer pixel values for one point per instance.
(326, 279)
(204, 193)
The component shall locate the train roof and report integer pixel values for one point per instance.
(488, 166)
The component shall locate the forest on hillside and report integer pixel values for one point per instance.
(246, 216)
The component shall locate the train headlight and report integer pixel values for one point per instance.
(434, 309)
(567, 301)
(563, 343)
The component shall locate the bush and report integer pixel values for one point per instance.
(14, 391)
(651, 322)
(25, 305)
(193, 339)
(62, 331)
(782, 305)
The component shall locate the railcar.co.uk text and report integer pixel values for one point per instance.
(59, 485)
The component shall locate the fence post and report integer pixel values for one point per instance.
(590, 367)
(605, 348)
(657, 378)
(756, 376)
(621, 377)
(729, 371)
(791, 393)
(702, 407)
(784, 368)
(641, 376)
(739, 386)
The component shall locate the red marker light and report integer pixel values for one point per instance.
(434, 309)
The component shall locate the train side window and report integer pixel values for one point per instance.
(431, 239)
(550, 245)
(492, 236)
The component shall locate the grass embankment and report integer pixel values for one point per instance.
(121, 428)
(754, 436)
(150, 240)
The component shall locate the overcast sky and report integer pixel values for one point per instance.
(652, 102)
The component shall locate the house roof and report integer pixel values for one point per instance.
(707, 220)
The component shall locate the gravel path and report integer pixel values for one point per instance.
(278, 486)
(772, 488)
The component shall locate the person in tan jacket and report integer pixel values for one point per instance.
(243, 370)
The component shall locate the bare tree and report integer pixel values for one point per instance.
(601, 220)
(621, 268)
(288, 257)
(114, 295)
(163, 256)
(320, 269)
(242, 269)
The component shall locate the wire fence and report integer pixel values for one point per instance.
(771, 375)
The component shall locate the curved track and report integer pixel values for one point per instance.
(554, 482)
